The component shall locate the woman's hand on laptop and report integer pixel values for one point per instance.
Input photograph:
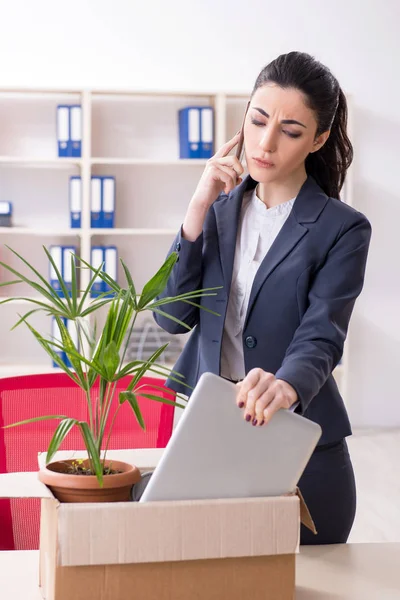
(261, 394)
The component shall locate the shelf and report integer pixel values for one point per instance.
(142, 231)
(48, 163)
(38, 93)
(149, 162)
(115, 93)
(39, 232)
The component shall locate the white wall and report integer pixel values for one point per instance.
(222, 45)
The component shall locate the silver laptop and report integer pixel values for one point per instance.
(214, 453)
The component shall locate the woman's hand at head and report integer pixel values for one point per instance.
(221, 174)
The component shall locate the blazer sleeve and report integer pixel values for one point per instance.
(186, 276)
(317, 344)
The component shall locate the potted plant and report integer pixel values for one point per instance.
(97, 364)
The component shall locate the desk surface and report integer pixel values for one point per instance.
(343, 572)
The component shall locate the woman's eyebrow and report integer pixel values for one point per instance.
(285, 121)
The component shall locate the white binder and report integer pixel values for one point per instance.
(75, 131)
(75, 200)
(63, 130)
(67, 270)
(194, 126)
(56, 253)
(97, 258)
(207, 125)
(110, 264)
(108, 202)
(95, 205)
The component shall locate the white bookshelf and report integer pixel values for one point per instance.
(130, 135)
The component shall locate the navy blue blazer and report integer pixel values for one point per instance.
(300, 304)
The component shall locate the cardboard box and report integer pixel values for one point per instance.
(187, 550)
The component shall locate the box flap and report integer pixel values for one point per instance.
(143, 458)
(305, 516)
(130, 532)
(23, 485)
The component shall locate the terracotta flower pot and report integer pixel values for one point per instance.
(69, 487)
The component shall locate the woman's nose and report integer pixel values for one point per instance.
(268, 140)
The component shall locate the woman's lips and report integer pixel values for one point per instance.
(263, 163)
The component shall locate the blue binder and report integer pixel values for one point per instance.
(75, 201)
(5, 214)
(189, 132)
(56, 253)
(66, 266)
(108, 202)
(110, 266)
(71, 326)
(62, 258)
(207, 132)
(97, 258)
(75, 128)
(95, 202)
(63, 130)
(56, 337)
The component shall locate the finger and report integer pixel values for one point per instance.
(225, 175)
(263, 403)
(272, 408)
(249, 382)
(233, 162)
(265, 381)
(232, 174)
(226, 148)
(239, 402)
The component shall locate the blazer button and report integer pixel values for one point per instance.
(178, 246)
(251, 341)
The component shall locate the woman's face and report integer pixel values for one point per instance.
(279, 133)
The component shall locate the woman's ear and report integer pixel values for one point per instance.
(320, 141)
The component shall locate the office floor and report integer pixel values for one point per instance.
(376, 459)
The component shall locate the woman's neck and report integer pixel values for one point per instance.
(277, 192)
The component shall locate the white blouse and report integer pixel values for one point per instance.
(258, 227)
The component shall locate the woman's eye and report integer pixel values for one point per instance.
(289, 133)
(258, 123)
(292, 135)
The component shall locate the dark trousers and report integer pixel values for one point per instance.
(329, 490)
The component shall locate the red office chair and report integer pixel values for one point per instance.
(28, 396)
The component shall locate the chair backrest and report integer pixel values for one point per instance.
(29, 396)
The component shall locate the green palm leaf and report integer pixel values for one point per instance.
(130, 397)
(156, 285)
(59, 436)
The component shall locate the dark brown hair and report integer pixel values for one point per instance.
(326, 99)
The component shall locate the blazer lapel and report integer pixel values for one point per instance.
(227, 214)
(306, 209)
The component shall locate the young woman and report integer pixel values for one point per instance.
(290, 257)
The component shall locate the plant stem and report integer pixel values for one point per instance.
(127, 339)
(104, 413)
(109, 434)
(85, 369)
(108, 401)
